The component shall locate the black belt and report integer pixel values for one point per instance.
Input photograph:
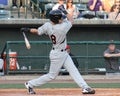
(60, 50)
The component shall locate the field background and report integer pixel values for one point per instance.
(62, 86)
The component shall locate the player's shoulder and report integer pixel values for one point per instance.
(47, 24)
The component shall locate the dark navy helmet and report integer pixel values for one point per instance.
(55, 16)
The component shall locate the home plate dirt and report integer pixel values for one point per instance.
(60, 92)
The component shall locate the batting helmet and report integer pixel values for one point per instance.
(55, 16)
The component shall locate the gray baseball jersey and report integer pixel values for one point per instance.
(57, 33)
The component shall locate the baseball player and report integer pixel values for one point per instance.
(111, 55)
(57, 29)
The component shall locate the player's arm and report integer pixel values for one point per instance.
(115, 55)
(34, 30)
(111, 55)
(41, 30)
(70, 18)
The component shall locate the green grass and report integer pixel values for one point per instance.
(62, 85)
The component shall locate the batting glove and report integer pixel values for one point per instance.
(25, 30)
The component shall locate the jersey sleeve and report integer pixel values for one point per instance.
(66, 25)
(42, 29)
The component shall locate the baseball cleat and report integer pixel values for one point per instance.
(30, 90)
(88, 91)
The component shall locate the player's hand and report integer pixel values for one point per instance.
(25, 30)
(61, 8)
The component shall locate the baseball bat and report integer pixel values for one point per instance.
(26, 41)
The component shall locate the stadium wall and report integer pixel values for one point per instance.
(81, 31)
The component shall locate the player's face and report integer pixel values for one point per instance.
(111, 47)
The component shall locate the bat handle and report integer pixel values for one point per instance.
(24, 34)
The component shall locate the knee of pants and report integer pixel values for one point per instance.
(52, 76)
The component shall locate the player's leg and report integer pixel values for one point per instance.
(69, 65)
(73, 71)
(55, 66)
(54, 70)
